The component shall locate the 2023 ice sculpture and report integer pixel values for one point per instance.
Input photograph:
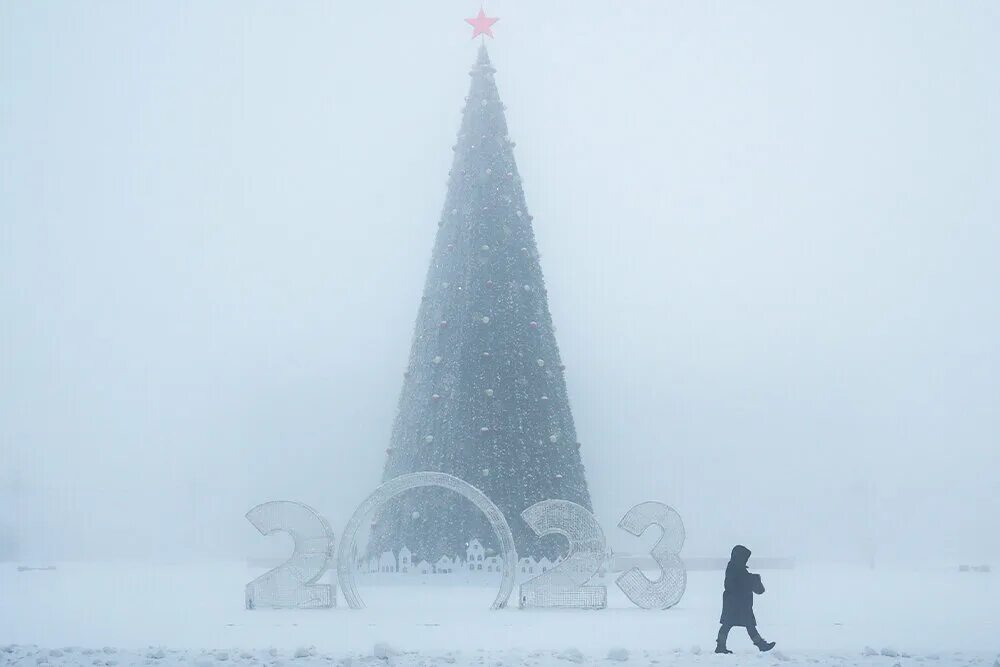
(294, 583)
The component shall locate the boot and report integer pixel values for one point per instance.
(765, 646)
(721, 648)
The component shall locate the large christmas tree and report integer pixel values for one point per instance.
(484, 396)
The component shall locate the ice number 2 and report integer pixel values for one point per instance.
(564, 585)
(293, 583)
(669, 588)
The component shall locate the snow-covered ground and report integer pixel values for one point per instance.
(139, 614)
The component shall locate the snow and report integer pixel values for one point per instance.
(384, 651)
(618, 654)
(174, 615)
(572, 655)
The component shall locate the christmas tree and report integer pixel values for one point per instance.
(484, 397)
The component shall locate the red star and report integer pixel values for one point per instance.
(481, 25)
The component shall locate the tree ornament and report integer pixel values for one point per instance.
(527, 288)
(415, 515)
(545, 398)
(553, 438)
(485, 429)
(443, 324)
(486, 320)
(436, 360)
(485, 248)
(540, 362)
(436, 397)
(489, 392)
(533, 324)
(428, 439)
(489, 283)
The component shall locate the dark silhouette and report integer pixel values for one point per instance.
(737, 601)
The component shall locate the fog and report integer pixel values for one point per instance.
(770, 233)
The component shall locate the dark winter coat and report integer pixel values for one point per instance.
(737, 600)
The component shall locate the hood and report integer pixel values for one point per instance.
(740, 555)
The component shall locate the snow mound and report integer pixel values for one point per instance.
(158, 654)
(695, 650)
(890, 652)
(618, 654)
(869, 652)
(571, 655)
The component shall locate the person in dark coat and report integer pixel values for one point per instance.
(737, 601)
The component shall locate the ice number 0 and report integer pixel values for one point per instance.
(293, 583)
(418, 480)
(564, 585)
(669, 588)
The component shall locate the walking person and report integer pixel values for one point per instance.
(737, 601)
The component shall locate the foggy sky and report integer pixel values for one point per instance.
(770, 233)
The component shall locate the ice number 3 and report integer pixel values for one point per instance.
(564, 585)
(669, 588)
(293, 583)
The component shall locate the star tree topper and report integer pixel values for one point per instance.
(482, 25)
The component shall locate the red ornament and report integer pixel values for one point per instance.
(489, 283)
(436, 397)
(534, 325)
(444, 324)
